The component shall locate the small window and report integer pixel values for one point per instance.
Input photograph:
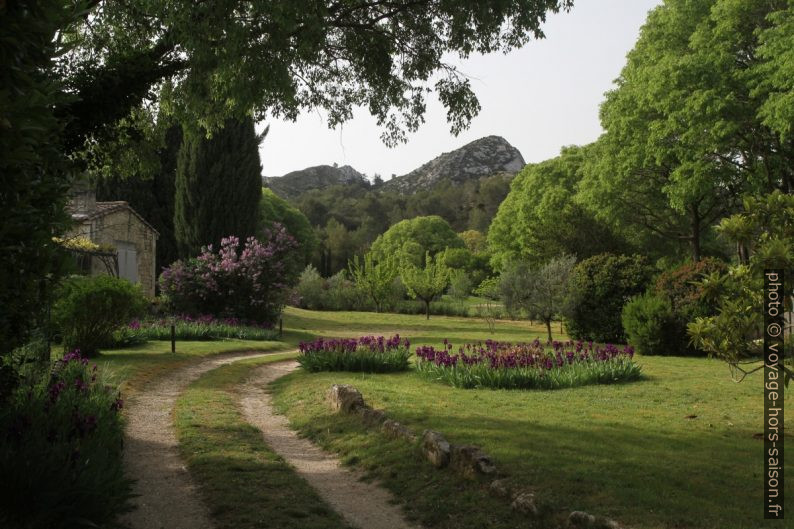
(128, 261)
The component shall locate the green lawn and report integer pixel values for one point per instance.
(300, 324)
(244, 483)
(628, 451)
(134, 366)
(625, 451)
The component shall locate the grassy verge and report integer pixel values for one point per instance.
(243, 482)
(674, 451)
(133, 367)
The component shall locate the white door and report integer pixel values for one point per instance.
(128, 261)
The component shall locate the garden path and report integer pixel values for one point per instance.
(166, 497)
(364, 505)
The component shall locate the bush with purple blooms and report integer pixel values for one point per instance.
(61, 450)
(369, 354)
(250, 281)
(533, 365)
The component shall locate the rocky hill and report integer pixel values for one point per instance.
(487, 156)
(293, 184)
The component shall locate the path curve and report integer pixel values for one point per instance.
(362, 504)
(166, 497)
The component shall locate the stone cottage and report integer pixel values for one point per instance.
(126, 242)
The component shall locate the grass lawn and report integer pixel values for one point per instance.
(300, 324)
(244, 483)
(676, 450)
(133, 367)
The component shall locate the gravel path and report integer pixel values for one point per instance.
(364, 505)
(166, 497)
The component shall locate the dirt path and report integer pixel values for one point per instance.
(364, 505)
(166, 497)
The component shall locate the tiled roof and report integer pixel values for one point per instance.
(105, 208)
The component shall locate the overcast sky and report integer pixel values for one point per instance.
(540, 98)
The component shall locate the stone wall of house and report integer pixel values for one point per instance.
(123, 225)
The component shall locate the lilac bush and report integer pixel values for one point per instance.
(367, 353)
(530, 365)
(250, 282)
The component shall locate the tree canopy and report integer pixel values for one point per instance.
(281, 57)
(416, 237)
(275, 209)
(688, 125)
(542, 216)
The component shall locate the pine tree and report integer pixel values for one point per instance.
(218, 186)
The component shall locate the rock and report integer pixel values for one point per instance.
(435, 448)
(471, 462)
(370, 416)
(396, 430)
(605, 523)
(345, 398)
(499, 488)
(488, 156)
(580, 520)
(524, 502)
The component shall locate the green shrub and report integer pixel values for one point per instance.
(89, 309)
(311, 289)
(680, 286)
(652, 328)
(366, 354)
(599, 287)
(61, 450)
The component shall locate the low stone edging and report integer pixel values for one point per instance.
(469, 461)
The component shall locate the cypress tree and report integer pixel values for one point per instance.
(218, 186)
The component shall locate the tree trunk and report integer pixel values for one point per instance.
(427, 309)
(548, 328)
(695, 234)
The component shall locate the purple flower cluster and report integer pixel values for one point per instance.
(535, 354)
(249, 280)
(201, 319)
(373, 344)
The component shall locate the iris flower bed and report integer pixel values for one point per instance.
(534, 365)
(61, 435)
(194, 328)
(368, 354)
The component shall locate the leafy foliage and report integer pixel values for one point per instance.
(88, 310)
(599, 287)
(425, 283)
(413, 239)
(61, 438)
(686, 127)
(540, 291)
(543, 216)
(189, 328)
(735, 332)
(652, 327)
(374, 278)
(33, 169)
(273, 209)
(251, 282)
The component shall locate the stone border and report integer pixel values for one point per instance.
(468, 461)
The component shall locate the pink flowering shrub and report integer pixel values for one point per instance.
(251, 282)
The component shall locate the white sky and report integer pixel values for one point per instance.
(539, 98)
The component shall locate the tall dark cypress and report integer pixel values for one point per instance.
(218, 186)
